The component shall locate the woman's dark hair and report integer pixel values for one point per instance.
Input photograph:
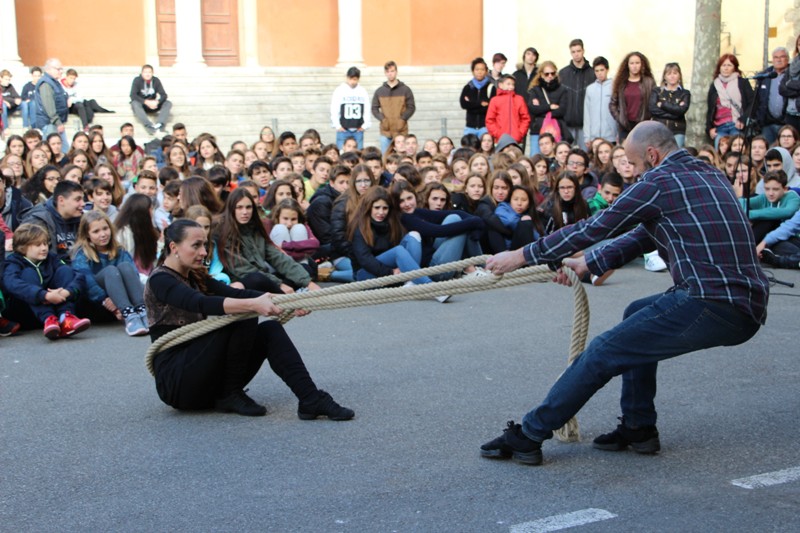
(527, 180)
(217, 157)
(470, 140)
(77, 152)
(131, 142)
(33, 187)
(351, 195)
(74, 138)
(399, 187)
(500, 175)
(580, 209)
(176, 232)
(288, 203)
(477, 61)
(532, 211)
(362, 220)
(229, 231)
(411, 174)
(105, 152)
(434, 186)
(20, 139)
(623, 72)
(464, 152)
(135, 214)
(269, 199)
(198, 191)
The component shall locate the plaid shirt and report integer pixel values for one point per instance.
(687, 211)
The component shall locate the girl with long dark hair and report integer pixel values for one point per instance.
(212, 371)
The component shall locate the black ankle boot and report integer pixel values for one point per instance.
(240, 403)
(323, 405)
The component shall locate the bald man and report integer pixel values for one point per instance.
(51, 101)
(687, 211)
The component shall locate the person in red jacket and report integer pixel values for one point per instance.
(508, 112)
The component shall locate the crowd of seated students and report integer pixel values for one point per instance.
(82, 225)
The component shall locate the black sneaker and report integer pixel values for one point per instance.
(642, 439)
(769, 257)
(513, 444)
(324, 405)
(780, 261)
(240, 403)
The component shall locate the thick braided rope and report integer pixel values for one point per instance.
(357, 294)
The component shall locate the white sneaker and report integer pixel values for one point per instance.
(442, 299)
(654, 263)
(477, 273)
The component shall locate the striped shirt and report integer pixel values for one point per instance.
(686, 210)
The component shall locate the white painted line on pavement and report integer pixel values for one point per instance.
(562, 521)
(768, 479)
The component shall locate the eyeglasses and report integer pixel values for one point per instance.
(576, 164)
(363, 182)
(548, 74)
(787, 136)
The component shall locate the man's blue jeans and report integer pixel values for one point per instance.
(653, 329)
(386, 142)
(533, 145)
(405, 256)
(477, 132)
(50, 128)
(342, 136)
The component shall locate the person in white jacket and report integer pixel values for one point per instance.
(349, 115)
(597, 119)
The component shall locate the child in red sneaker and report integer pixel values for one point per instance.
(49, 287)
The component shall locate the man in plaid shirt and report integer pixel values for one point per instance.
(687, 211)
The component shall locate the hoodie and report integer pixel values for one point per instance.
(788, 167)
(508, 113)
(63, 232)
(319, 216)
(349, 108)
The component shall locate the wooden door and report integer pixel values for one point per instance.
(220, 32)
(167, 42)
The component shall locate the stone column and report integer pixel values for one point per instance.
(188, 34)
(501, 31)
(350, 38)
(151, 34)
(9, 51)
(248, 32)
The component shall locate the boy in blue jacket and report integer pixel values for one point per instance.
(34, 275)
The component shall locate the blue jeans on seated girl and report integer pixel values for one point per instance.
(405, 256)
(653, 329)
(455, 248)
(342, 270)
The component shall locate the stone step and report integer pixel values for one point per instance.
(235, 103)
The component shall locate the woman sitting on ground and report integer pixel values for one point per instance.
(249, 256)
(212, 370)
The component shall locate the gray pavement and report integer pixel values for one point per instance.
(86, 445)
